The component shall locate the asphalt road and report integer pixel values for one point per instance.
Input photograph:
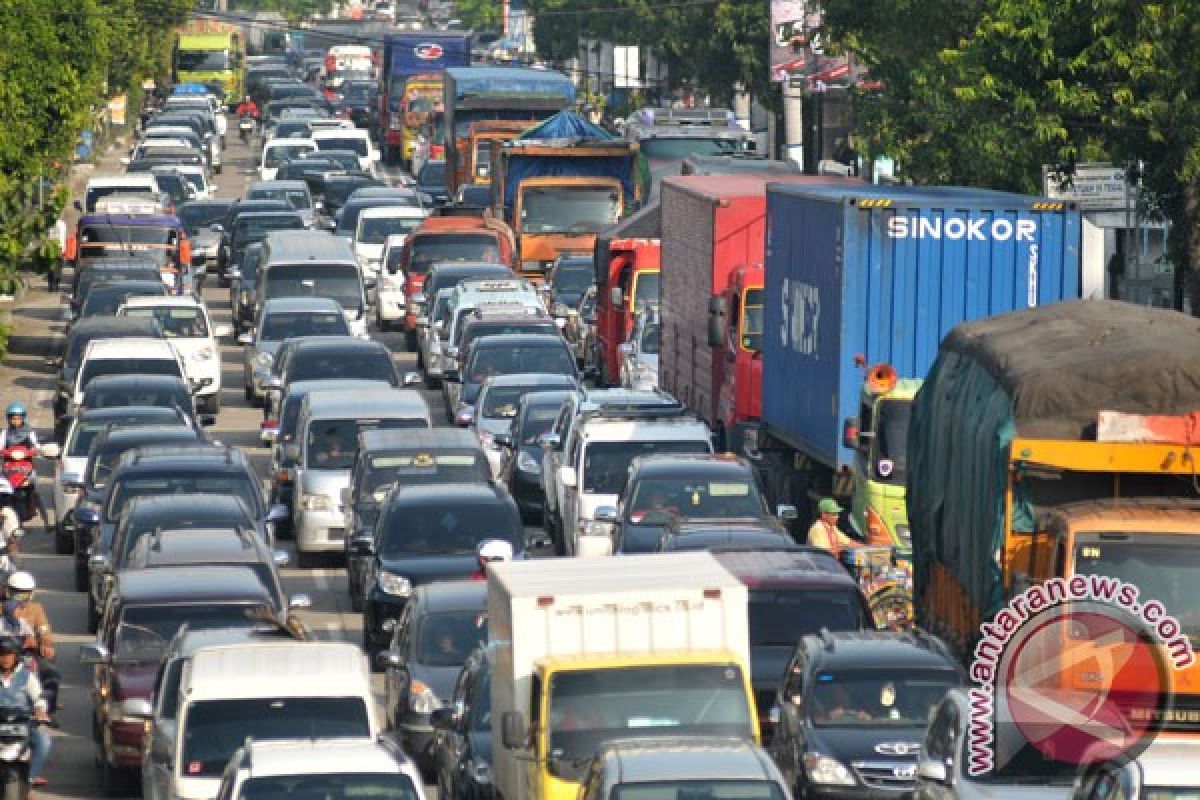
(72, 770)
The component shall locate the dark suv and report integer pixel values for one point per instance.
(853, 711)
(661, 488)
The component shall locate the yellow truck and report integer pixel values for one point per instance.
(591, 649)
(210, 51)
(1056, 443)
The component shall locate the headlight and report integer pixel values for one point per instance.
(481, 771)
(830, 771)
(421, 698)
(316, 502)
(393, 584)
(264, 360)
(204, 354)
(527, 463)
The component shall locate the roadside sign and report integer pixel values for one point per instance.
(1093, 186)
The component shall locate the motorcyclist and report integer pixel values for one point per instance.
(20, 688)
(491, 551)
(21, 605)
(17, 431)
(247, 108)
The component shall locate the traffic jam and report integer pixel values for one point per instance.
(637, 466)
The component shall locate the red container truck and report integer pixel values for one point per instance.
(713, 231)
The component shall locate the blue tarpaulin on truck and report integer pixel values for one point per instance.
(566, 127)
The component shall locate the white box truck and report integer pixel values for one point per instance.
(588, 650)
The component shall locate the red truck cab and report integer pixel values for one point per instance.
(735, 332)
(629, 269)
(456, 238)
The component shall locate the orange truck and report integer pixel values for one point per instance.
(475, 239)
(473, 163)
(1053, 445)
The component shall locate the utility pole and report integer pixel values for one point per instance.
(793, 119)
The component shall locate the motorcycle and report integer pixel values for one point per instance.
(16, 463)
(885, 576)
(16, 735)
(246, 126)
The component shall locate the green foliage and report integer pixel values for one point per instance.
(715, 46)
(479, 15)
(984, 92)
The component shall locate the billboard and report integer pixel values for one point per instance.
(797, 48)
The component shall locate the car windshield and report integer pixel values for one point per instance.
(588, 707)
(296, 198)
(202, 60)
(452, 529)
(673, 148)
(657, 499)
(752, 320)
(166, 397)
(330, 786)
(134, 531)
(335, 364)
(144, 631)
(501, 401)
(571, 279)
(177, 322)
(354, 144)
(645, 291)
(536, 421)
(84, 433)
(214, 729)
(376, 230)
(430, 248)
(128, 488)
(280, 325)
(388, 471)
(446, 639)
(782, 617)
(332, 442)
(891, 463)
(606, 464)
(569, 209)
(699, 790)
(95, 367)
(340, 282)
(292, 129)
(878, 697)
(650, 339)
(492, 361)
(356, 92)
(277, 153)
(103, 301)
(255, 229)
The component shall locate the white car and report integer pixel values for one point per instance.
(276, 151)
(187, 326)
(102, 186)
(131, 355)
(358, 768)
(639, 355)
(355, 139)
(375, 227)
(390, 302)
(199, 180)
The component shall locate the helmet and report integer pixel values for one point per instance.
(9, 644)
(15, 408)
(21, 582)
(495, 550)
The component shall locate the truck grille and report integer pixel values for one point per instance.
(897, 776)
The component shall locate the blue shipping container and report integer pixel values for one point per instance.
(886, 273)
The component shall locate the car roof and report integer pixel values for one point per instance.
(339, 342)
(520, 379)
(255, 215)
(298, 304)
(198, 546)
(121, 348)
(716, 465)
(125, 413)
(685, 758)
(878, 649)
(448, 493)
(192, 584)
(285, 758)
(519, 340)
(366, 403)
(130, 285)
(136, 380)
(393, 212)
(304, 387)
(454, 596)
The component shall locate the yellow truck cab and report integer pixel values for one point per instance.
(653, 646)
(879, 512)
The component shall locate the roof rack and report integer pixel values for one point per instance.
(637, 411)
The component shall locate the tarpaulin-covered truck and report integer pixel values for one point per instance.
(559, 184)
(1056, 442)
(406, 55)
(860, 275)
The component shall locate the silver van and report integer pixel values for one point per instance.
(313, 264)
(324, 450)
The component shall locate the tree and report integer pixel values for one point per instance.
(984, 92)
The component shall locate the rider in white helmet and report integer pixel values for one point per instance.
(491, 551)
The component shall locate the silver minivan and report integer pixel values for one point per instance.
(314, 264)
(324, 450)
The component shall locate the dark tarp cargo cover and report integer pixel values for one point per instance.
(1042, 373)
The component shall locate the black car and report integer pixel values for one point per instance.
(333, 358)
(106, 298)
(481, 323)
(441, 626)
(252, 228)
(722, 535)
(166, 391)
(337, 188)
(505, 354)
(82, 333)
(243, 289)
(661, 488)
(390, 458)
(858, 703)
(432, 181)
(793, 591)
(426, 534)
(463, 743)
(92, 271)
(360, 99)
(569, 278)
(227, 226)
(474, 195)
(522, 472)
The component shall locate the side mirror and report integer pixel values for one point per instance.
(235, 274)
(362, 546)
(246, 338)
(277, 513)
(513, 730)
(566, 476)
(549, 441)
(412, 378)
(560, 323)
(95, 653)
(85, 516)
(606, 514)
(615, 297)
(786, 512)
(716, 332)
(280, 557)
(389, 658)
(137, 707)
(299, 600)
(931, 770)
